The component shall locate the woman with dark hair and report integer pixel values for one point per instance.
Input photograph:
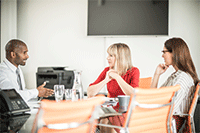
(177, 54)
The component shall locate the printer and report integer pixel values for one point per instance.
(55, 75)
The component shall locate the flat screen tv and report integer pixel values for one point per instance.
(127, 17)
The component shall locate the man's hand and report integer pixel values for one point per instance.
(44, 92)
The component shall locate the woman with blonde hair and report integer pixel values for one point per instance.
(120, 77)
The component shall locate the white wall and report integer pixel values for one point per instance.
(8, 23)
(55, 32)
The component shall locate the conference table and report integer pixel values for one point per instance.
(23, 123)
(28, 125)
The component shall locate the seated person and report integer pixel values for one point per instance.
(120, 77)
(11, 74)
(177, 54)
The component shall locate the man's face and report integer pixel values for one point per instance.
(21, 55)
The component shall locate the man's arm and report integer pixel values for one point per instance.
(26, 94)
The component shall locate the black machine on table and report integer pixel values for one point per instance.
(55, 75)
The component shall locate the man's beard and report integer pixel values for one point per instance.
(19, 61)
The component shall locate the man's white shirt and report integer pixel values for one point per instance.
(8, 80)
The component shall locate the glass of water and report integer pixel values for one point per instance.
(59, 91)
(68, 94)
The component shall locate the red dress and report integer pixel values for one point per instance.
(131, 77)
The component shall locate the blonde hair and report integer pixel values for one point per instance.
(122, 54)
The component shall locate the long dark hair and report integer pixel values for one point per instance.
(181, 57)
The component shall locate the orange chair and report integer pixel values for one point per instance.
(189, 121)
(67, 116)
(192, 110)
(150, 111)
(145, 82)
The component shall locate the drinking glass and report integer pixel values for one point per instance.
(68, 94)
(59, 91)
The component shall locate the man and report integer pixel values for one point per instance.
(11, 75)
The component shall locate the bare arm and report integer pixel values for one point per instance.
(126, 88)
(161, 68)
(155, 80)
(94, 89)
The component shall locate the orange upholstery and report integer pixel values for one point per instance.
(147, 119)
(192, 110)
(69, 112)
(145, 82)
(189, 127)
(150, 111)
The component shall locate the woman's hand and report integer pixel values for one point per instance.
(125, 87)
(161, 68)
(108, 77)
(112, 73)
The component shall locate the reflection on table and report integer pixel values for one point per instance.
(24, 123)
(12, 124)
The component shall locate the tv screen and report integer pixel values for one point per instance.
(127, 17)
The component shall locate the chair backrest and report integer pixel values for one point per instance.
(150, 110)
(72, 117)
(145, 82)
(192, 110)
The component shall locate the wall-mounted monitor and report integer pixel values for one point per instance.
(127, 17)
